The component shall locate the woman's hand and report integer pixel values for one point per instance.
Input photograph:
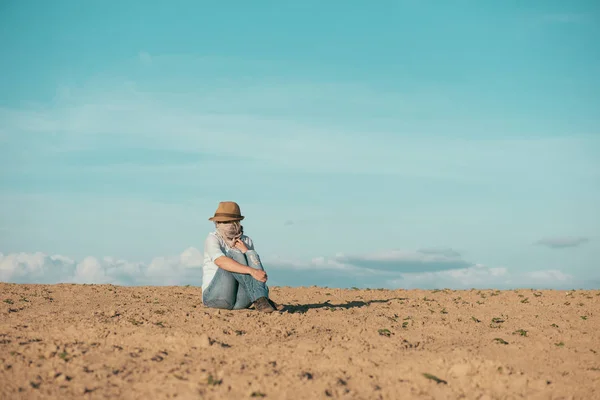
(241, 246)
(259, 275)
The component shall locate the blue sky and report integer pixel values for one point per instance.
(396, 144)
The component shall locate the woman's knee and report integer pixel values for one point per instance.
(238, 256)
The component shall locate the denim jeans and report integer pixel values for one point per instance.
(233, 291)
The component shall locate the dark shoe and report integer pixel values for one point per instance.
(262, 304)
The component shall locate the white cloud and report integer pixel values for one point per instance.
(562, 242)
(42, 268)
(334, 271)
(480, 276)
(408, 261)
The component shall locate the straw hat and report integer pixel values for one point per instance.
(226, 212)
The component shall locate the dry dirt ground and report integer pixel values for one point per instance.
(104, 341)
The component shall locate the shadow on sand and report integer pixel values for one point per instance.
(302, 308)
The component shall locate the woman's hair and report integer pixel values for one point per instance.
(229, 231)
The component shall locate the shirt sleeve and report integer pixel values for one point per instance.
(213, 248)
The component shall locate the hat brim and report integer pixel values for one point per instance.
(225, 219)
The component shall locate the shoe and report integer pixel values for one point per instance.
(262, 304)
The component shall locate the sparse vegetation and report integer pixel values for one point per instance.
(500, 340)
(9, 301)
(521, 332)
(475, 319)
(434, 378)
(214, 382)
(384, 332)
(559, 344)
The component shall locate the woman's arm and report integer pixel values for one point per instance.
(213, 249)
(229, 264)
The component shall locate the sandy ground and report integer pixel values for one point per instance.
(103, 341)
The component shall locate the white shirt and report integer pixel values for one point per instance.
(215, 247)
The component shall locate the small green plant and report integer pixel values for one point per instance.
(24, 299)
(444, 311)
(257, 394)
(354, 288)
(159, 312)
(385, 332)
(160, 323)
(559, 344)
(537, 294)
(500, 340)
(525, 300)
(475, 319)
(434, 378)
(479, 302)
(583, 317)
(134, 322)
(214, 382)
(405, 324)
(64, 356)
(521, 332)
(497, 320)
(9, 301)
(554, 326)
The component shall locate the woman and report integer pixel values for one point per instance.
(233, 276)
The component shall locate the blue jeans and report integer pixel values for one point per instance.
(233, 291)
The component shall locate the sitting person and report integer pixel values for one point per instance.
(233, 276)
